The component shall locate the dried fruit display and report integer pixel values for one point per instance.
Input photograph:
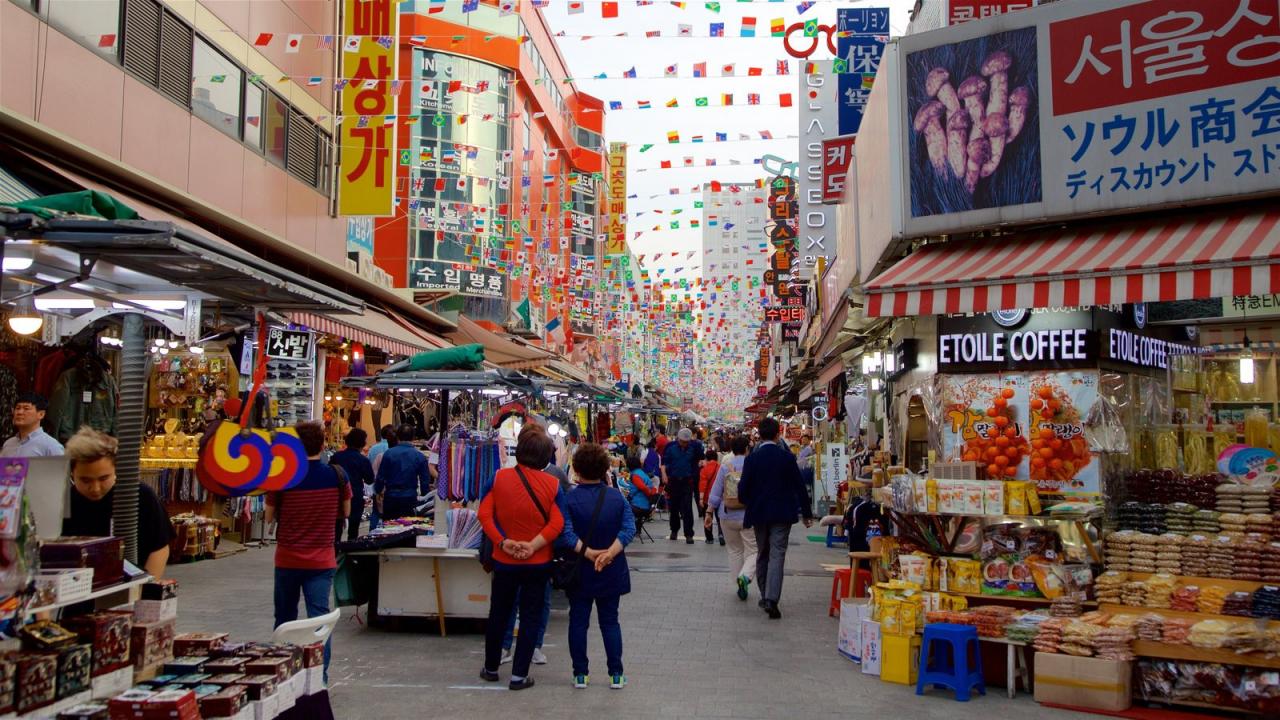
(998, 444)
(1059, 448)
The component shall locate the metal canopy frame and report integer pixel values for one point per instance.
(446, 380)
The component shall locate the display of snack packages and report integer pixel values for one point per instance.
(993, 498)
(950, 497)
(1016, 498)
(1052, 579)
(963, 576)
(972, 496)
(915, 569)
(920, 493)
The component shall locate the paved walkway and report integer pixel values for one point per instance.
(691, 649)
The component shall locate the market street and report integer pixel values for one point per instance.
(692, 649)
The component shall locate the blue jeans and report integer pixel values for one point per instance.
(610, 631)
(315, 587)
(542, 632)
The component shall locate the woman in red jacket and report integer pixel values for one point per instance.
(520, 516)
(706, 478)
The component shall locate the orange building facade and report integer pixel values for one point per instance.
(500, 189)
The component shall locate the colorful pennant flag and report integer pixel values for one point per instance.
(778, 27)
(673, 137)
(609, 9)
(576, 7)
(700, 70)
(717, 29)
(727, 70)
(671, 71)
(748, 27)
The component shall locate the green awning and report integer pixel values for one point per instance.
(83, 202)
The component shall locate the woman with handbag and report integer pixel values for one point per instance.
(521, 518)
(605, 525)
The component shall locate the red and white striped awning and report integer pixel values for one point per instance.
(1210, 253)
(373, 329)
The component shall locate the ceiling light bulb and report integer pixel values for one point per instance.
(24, 319)
(18, 257)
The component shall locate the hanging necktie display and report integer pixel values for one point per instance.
(468, 462)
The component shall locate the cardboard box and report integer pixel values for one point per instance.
(899, 659)
(1083, 682)
(849, 641)
(870, 647)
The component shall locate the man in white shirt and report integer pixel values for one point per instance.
(31, 440)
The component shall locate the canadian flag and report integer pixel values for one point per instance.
(293, 44)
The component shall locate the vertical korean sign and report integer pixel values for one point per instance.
(367, 130)
(1077, 108)
(616, 242)
(863, 33)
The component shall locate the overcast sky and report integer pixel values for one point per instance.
(605, 53)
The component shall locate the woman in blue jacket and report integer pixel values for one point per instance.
(605, 577)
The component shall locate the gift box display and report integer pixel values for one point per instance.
(105, 555)
(109, 634)
(37, 680)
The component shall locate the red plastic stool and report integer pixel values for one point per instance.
(839, 590)
(861, 582)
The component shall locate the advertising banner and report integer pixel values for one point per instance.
(366, 178)
(863, 34)
(1079, 108)
(1023, 426)
(616, 241)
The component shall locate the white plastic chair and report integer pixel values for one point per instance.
(310, 630)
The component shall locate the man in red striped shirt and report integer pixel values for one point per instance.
(307, 518)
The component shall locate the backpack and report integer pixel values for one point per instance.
(729, 499)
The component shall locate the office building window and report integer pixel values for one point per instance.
(216, 84)
(253, 115)
(275, 128)
(92, 23)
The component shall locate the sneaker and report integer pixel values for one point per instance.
(506, 656)
(742, 587)
(538, 657)
(580, 681)
(524, 684)
(617, 682)
(488, 675)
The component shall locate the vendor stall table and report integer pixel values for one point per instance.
(107, 597)
(1015, 663)
(405, 575)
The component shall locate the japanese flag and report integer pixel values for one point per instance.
(575, 7)
(685, 31)
(462, 183)
(352, 43)
(293, 43)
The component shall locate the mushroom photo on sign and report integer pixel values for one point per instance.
(973, 125)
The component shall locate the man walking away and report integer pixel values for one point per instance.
(680, 473)
(775, 497)
(359, 472)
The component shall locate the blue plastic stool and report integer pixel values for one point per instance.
(950, 666)
(833, 539)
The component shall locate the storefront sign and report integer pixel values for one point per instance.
(784, 314)
(904, 358)
(1135, 349)
(283, 344)
(1032, 346)
(863, 34)
(366, 178)
(782, 236)
(360, 235)
(819, 109)
(454, 277)
(962, 11)
(616, 242)
(1251, 306)
(1086, 108)
(836, 154)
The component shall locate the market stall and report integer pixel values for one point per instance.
(481, 412)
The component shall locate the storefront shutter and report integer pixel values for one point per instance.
(142, 39)
(175, 59)
(302, 149)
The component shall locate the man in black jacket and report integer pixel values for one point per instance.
(775, 497)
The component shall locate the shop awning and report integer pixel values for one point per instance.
(1207, 253)
(501, 350)
(372, 328)
(179, 257)
(446, 380)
